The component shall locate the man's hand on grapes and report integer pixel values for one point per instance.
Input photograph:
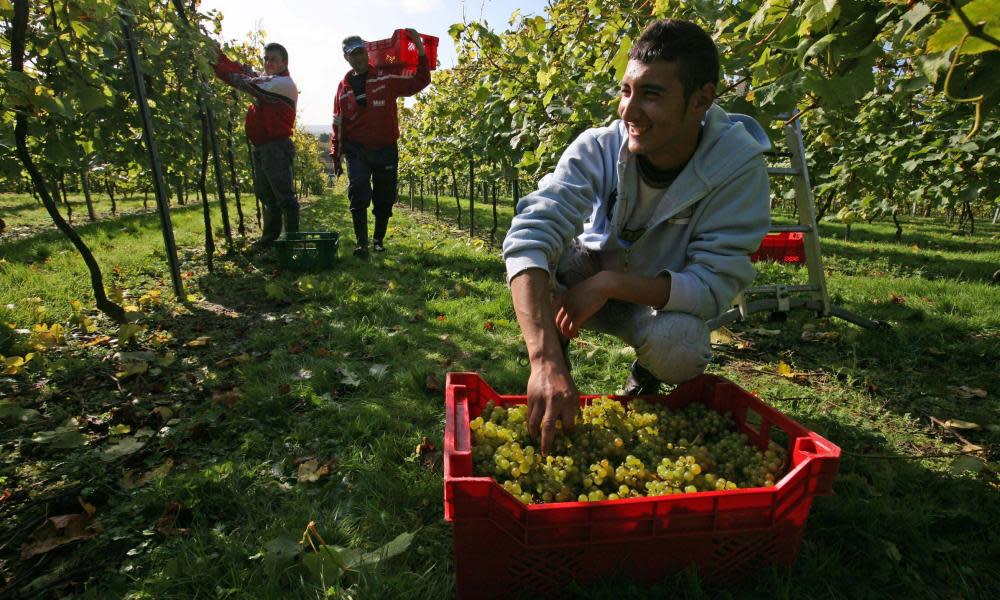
(552, 397)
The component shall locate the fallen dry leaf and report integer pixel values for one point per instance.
(428, 454)
(227, 397)
(897, 299)
(964, 391)
(97, 341)
(313, 470)
(960, 424)
(724, 336)
(232, 360)
(163, 412)
(132, 368)
(766, 332)
(133, 479)
(124, 413)
(126, 446)
(424, 446)
(88, 508)
(819, 336)
(59, 531)
(786, 371)
(174, 520)
(199, 342)
(431, 384)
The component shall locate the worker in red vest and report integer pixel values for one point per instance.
(365, 130)
(270, 121)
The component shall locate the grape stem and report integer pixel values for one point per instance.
(977, 101)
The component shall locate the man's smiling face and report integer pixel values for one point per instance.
(661, 124)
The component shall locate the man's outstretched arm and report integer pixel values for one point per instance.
(244, 79)
(552, 395)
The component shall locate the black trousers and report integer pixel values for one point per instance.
(372, 175)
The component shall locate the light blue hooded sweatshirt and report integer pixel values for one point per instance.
(712, 217)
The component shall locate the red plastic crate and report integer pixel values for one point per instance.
(503, 547)
(786, 246)
(399, 52)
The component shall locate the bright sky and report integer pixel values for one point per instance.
(312, 30)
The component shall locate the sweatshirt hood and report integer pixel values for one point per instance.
(730, 144)
(730, 141)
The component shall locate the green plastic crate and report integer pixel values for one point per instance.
(308, 250)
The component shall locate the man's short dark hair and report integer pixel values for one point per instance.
(685, 43)
(275, 47)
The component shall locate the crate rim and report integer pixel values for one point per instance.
(829, 450)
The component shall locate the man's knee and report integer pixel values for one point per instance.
(359, 195)
(676, 347)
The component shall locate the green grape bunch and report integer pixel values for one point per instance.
(620, 451)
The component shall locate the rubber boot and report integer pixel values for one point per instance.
(381, 225)
(272, 226)
(360, 233)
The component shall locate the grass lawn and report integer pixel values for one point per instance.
(186, 448)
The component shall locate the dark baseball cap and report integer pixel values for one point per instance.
(352, 43)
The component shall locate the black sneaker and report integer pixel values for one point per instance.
(377, 246)
(640, 381)
(361, 251)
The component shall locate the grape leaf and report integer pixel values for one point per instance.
(620, 60)
(325, 564)
(279, 553)
(129, 445)
(951, 33)
(963, 464)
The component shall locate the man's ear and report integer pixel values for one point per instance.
(702, 98)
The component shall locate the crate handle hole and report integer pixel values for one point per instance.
(779, 436)
(753, 421)
(806, 446)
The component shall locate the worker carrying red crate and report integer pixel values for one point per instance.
(643, 230)
(365, 131)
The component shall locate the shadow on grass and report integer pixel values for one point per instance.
(915, 368)
(133, 224)
(892, 529)
(29, 204)
(927, 235)
(854, 259)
